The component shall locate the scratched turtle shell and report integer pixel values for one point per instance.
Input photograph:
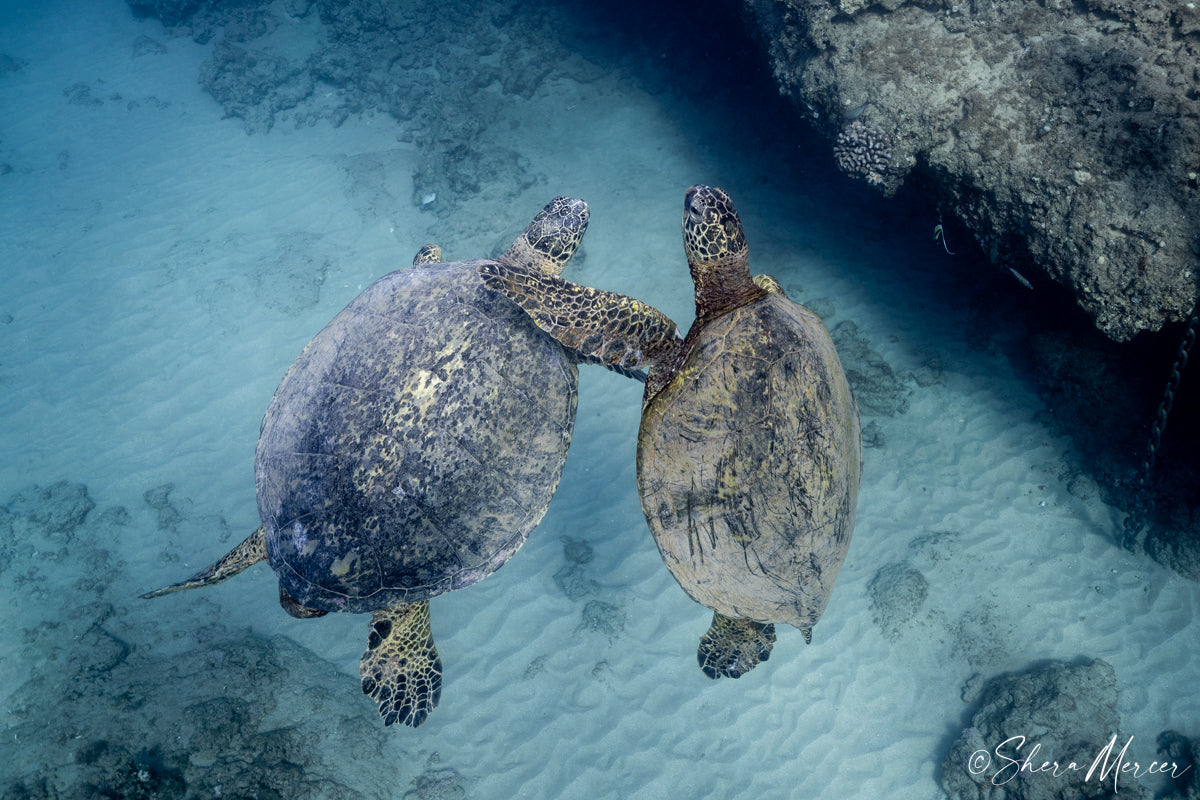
(749, 461)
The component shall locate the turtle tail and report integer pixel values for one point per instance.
(246, 554)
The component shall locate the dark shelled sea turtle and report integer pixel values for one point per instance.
(749, 451)
(409, 451)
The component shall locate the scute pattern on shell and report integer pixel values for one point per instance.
(403, 456)
(749, 461)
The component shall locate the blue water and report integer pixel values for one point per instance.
(163, 263)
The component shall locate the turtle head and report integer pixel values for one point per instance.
(552, 238)
(712, 230)
(716, 251)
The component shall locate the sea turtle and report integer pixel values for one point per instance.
(749, 451)
(409, 451)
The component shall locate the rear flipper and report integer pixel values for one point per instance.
(733, 647)
(401, 669)
(246, 554)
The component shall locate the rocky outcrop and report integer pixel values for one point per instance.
(1056, 713)
(300, 62)
(1065, 135)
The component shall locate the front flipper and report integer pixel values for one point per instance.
(611, 328)
(428, 254)
(769, 284)
(401, 669)
(248, 553)
(733, 647)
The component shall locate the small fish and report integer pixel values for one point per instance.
(1021, 279)
(938, 233)
(855, 113)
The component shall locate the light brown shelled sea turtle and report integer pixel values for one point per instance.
(749, 452)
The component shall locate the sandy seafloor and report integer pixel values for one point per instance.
(160, 270)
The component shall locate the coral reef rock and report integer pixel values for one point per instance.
(1055, 713)
(1066, 135)
(864, 151)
